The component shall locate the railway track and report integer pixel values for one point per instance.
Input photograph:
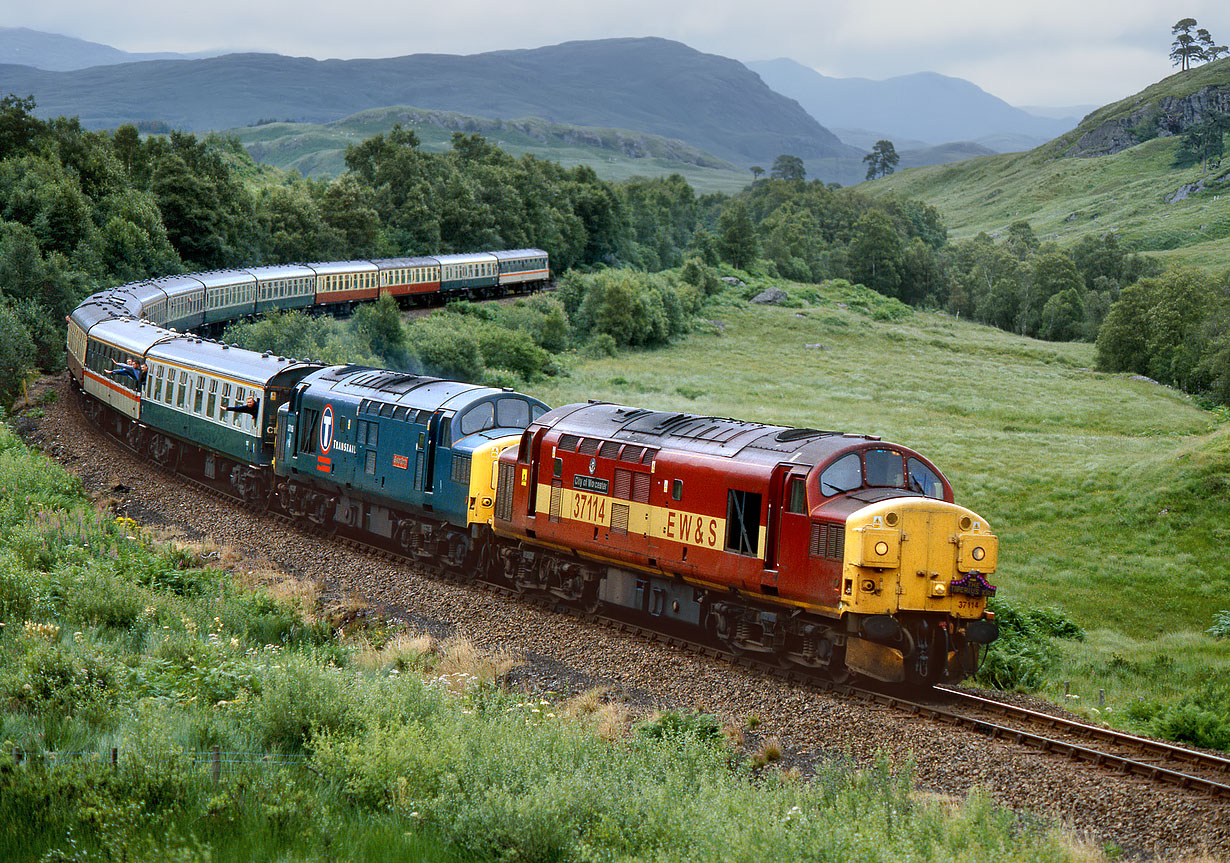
(1151, 760)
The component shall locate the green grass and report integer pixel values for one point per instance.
(320, 149)
(1067, 198)
(369, 749)
(1109, 494)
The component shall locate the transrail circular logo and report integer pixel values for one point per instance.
(326, 429)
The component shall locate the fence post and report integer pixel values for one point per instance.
(115, 757)
(16, 755)
(217, 762)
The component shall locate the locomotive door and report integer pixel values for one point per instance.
(790, 537)
(768, 578)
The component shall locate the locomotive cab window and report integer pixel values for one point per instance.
(743, 522)
(677, 489)
(478, 418)
(512, 413)
(924, 480)
(884, 468)
(845, 474)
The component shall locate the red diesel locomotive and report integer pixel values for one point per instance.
(818, 549)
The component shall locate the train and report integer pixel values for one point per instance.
(825, 552)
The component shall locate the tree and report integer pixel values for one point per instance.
(882, 160)
(1210, 50)
(1185, 47)
(788, 168)
(1203, 143)
(757, 172)
(875, 254)
(737, 236)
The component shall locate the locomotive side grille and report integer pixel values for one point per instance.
(556, 492)
(568, 442)
(609, 449)
(461, 470)
(640, 487)
(632, 453)
(589, 446)
(623, 483)
(504, 492)
(619, 518)
(827, 541)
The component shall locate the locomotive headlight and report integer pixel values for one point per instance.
(882, 549)
(978, 553)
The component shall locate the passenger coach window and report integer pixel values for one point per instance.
(884, 468)
(924, 480)
(845, 474)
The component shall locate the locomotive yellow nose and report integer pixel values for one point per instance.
(919, 554)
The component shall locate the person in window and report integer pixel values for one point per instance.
(252, 406)
(129, 369)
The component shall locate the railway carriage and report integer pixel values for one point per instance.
(147, 299)
(110, 344)
(522, 268)
(229, 295)
(185, 301)
(290, 286)
(341, 284)
(819, 548)
(476, 273)
(94, 309)
(189, 384)
(405, 277)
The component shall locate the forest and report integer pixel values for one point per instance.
(84, 210)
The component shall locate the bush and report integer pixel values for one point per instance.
(1221, 625)
(508, 349)
(447, 348)
(633, 308)
(1201, 718)
(1023, 656)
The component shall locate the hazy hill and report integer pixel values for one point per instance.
(925, 106)
(615, 154)
(54, 52)
(649, 85)
(1113, 173)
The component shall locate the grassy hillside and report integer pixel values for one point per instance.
(1067, 198)
(1109, 494)
(1132, 192)
(1177, 86)
(615, 154)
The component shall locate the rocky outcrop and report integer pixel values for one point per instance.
(1168, 116)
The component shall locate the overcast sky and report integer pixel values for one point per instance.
(1029, 52)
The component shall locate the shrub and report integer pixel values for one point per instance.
(446, 348)
(1022, 657)
(701, 726)
(509, 349)
(1201, 718)
(1221, 625)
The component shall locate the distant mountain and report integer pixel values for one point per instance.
(925, 106)
(56, 53)
(614, 154)
(649, 85)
